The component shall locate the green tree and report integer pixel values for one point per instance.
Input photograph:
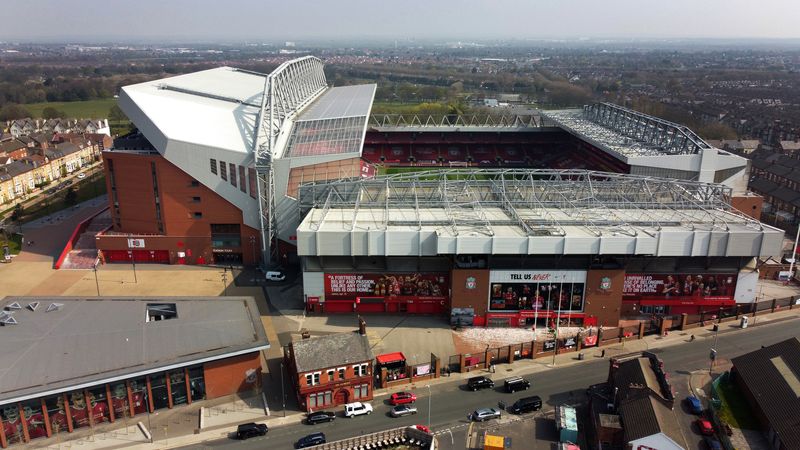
(71, 197)
(16, 215)
(13, 111)
(52, 113)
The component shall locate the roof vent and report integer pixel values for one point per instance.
(14, 305)
(9, 321)
(33, 306)
(54, 307)
(161, 311)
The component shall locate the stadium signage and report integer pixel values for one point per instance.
(680, 287)
(553, 276)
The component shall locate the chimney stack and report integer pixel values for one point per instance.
(362, 326)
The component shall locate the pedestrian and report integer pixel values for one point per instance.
(603, 353)
(691, 338)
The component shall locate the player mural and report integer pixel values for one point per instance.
(35, 420)
(679, 287)
(350, 286)
(12, 423)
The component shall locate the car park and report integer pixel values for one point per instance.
(320, 417)
(248, 430)
(402, 398)
(526, 404)
(705, 427)
(515, 384)
(694, 405)
(712, 443)
(357, 409)
(310, 440)
(402, 410)
(475, 383)
(483, 414)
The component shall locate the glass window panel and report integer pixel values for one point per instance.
(177, 383)
(98, 404)
(158, 387)
(197, 383)
(78, 410)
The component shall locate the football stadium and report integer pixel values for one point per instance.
(595, 212)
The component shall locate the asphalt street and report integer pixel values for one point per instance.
(451, 403)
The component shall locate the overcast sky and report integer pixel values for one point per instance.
(236, 20)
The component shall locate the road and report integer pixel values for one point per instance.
(451, 402)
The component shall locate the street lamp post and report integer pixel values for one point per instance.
(430, 394)
(558, 316)
(96, 281)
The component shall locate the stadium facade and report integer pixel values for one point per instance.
(233, 166)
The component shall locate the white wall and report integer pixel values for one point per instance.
(658, 441)
(746, 286)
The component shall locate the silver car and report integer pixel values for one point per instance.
(479, 415)
(402, 410)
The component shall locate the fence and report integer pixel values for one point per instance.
(725, 314)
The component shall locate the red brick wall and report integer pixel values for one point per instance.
(134, 184)
(750, 205)
(228, 376)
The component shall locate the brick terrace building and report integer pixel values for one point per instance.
(71, 363)
(331, 370)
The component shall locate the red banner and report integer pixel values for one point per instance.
(348, 286)
(679, 287)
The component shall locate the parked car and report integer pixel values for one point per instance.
(81, 176)
(402, 398)
(705, 427)
(319, 417)
(515, 384)
(51, 190)
(475, 383)
(248, 430)
(712, 443)
(423, 428)
(275, 275)
(526, 404)
(310, 440)
(402, 410)
(357, 409)
(480, 415)
(694, 405)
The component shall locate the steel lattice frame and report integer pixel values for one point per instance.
(596, 201)
(449, 120)
(287, 90)
(670, 137)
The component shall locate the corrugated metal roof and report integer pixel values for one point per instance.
(342, 101)
(93, 339)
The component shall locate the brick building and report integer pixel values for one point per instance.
(79, 362)
(331, 370)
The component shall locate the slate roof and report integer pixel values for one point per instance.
(11, 145)
(633, 376)
(775, 390)
(763, 186)
(646, 416)
(785, 194)
(331, 351)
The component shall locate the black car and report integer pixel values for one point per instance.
(319, 417)
(475, 383)
(310, 440)
(515, 384)
(248, 430)
(526, 404)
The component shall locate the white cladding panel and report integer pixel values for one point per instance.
(545, 245)
(646, 244)
(517, 245)
(377, 242)
(771, 243)
(700, 244)
(474, 245)
(445, 245)
(617, 245)
(428, 242)
(306, 243)
(581, 245)
(402, 243)
(675, 243)
(744, 243)
(718, 243)
(359, 242)
(333, 243)
(746, 286)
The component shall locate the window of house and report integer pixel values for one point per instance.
(195, 199)
(341, 371)
(331, 374)
(198, 215)
(309, 379)
(233, 174)
(317, 377)
(360, 370)
(223, 170)
(213, 165)
(242, 180)
(194, 183)
(361, 391)
(319, 399)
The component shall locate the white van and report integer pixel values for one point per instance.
(356, 409)
(275, 276)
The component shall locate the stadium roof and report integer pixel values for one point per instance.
(334, 123)
(626, 133)
(88, 341)
(526, 211)
(216, 108)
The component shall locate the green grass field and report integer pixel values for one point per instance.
(91, 187)
(735, 409)
(90, 109)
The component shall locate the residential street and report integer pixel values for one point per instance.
(556, 386)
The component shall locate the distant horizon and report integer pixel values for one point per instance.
(320, 20)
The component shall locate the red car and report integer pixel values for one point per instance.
(402, 398)
(423, 428)
(705, 427)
